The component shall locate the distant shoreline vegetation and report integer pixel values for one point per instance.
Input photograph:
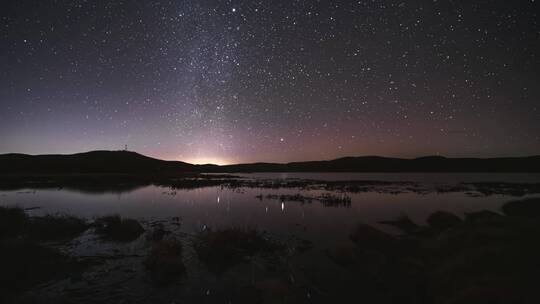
(120, 183)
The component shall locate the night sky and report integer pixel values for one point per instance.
(243, 81)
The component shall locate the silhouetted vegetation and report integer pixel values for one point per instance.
(327, 199)
(368, 238)
(442, 220)
(194, 183)
(117, 183)
(24, 262)
(119, 229)
(12, 221)
(403, 223)
(221, 249)
(288, 197)
(59, 227)
(488, 188)
(486, 258)
(525, 208)
(15, 222)
(164, 262)
(481, 216)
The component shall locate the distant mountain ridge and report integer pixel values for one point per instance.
(93, 162)
(387, 164)
(103, 162)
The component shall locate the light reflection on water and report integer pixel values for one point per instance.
(217, 207)
(325, 228)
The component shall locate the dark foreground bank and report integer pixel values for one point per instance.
(482, 257)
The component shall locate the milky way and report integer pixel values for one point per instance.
(243, 81)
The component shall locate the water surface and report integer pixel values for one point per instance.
(225, 207)
(304, 275)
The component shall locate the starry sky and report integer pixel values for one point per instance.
(285, 80)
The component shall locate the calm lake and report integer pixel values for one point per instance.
(244, 207)
(282, 213)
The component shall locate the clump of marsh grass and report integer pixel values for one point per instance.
(119, 229)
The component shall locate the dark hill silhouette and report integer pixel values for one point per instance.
(94, 162)
(126, 162)
(385, 164)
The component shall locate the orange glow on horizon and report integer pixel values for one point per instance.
(203, 160)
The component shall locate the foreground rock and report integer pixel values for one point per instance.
(525, 208)
(55, 228)
(487, 258)
(118, 229)
(12, 221)
(403, 223)
(222, 249)
(368, 238)
(25, 260)
(483, 216)
(164, 262)
(442, 220)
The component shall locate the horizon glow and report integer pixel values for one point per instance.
(249, 81)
